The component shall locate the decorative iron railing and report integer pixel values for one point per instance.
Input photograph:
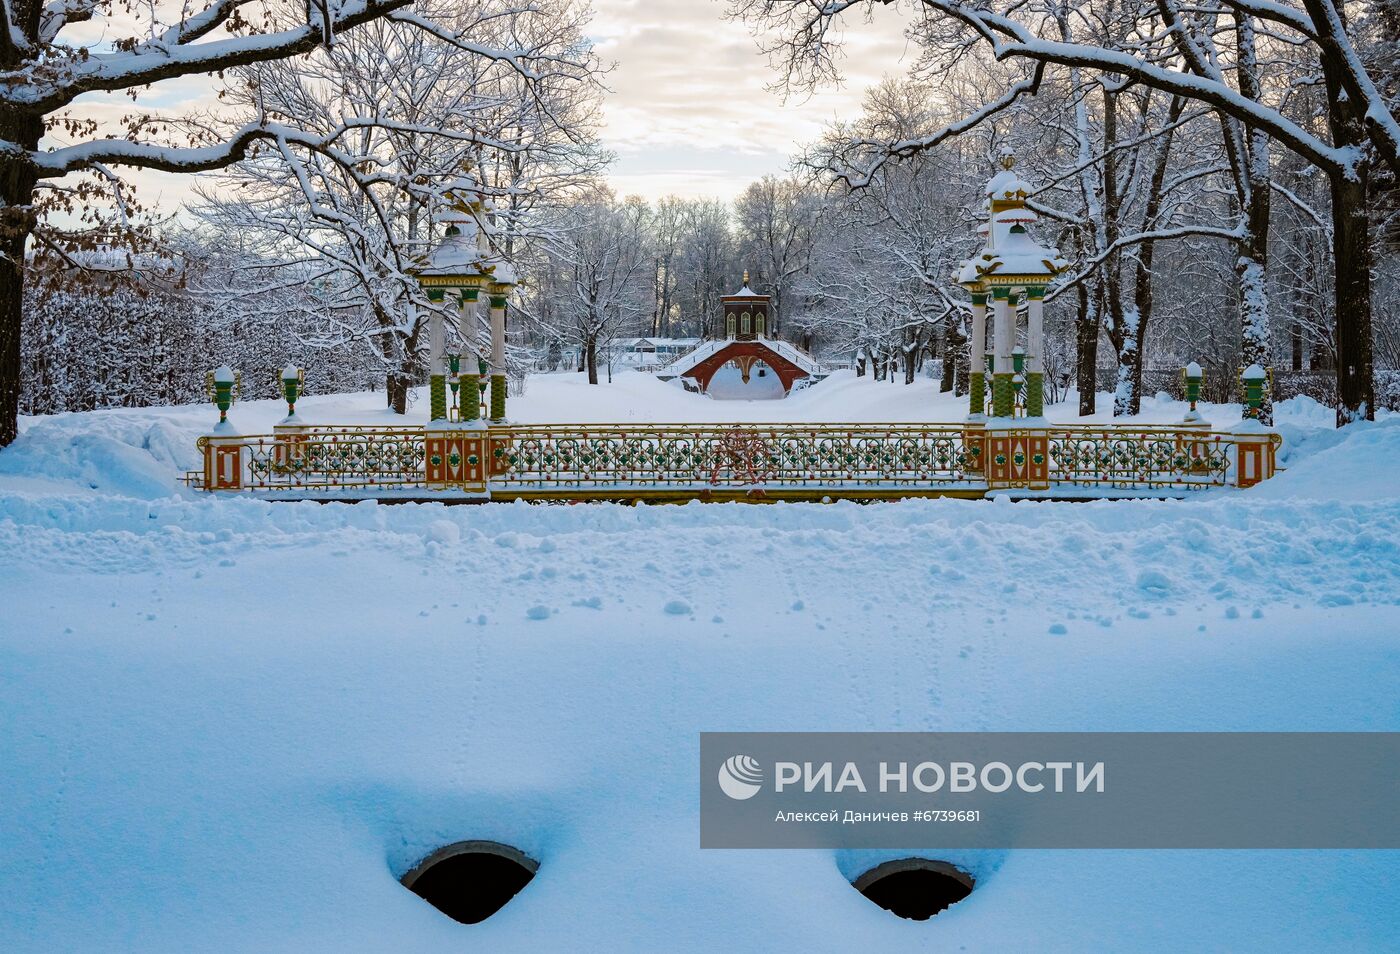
(1139, 458)
(333, 457)
(570, 461)
(698, 456)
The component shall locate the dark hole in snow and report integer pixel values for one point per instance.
(914, 888)
(471, 880)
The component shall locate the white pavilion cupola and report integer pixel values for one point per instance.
(1011, 269)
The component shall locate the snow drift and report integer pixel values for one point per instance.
(229, 725)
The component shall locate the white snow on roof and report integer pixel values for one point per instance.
(1008, 183)
(689, 360)
(455, 253)
(502, 271)
(969, 271)
(1019, 254)
(1013, 216)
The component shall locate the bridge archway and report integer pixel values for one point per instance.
(747, 355)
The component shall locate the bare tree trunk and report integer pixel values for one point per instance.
(1252, 264)
(399, 384)
(11, 320)
(1356, 395)
(590, 348)
(1132, 359)
(1086, 348)
(1352, 255)
(955, 344)
(1122, 320)
(17, 180)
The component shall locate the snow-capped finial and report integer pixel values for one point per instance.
(1007, 189)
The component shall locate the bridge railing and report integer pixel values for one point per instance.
(574, 461)
(1140, 458)
(697, 456)
(319, 458)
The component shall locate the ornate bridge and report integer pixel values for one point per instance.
(746, 462)
(1006, 445)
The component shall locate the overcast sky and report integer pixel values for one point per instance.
(689, 113)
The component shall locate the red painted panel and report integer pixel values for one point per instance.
(787, 372)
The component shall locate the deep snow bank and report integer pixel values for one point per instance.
(1358, 462)
(40, 460)
(230, 725)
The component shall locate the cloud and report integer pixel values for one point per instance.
(689, 114)
(688, 79)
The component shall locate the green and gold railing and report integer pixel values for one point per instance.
(691, 457)
(1139, 458)
(690, 461)
(319, 458)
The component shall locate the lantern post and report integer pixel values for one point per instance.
(289, 450)
(1255, 444)
(223, 448)
(454, 383)
(222, 384)
(1195, 453)
(1253, 378)
(1193, 377)
(293, 381)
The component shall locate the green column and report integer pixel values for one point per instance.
(1003, 396)
(1035, 394)
(498, 378)
(498, 397)
(437, 381)
(437, 396)
(1035, 363)
(470, 407)
(1003, 391)
(976, 349)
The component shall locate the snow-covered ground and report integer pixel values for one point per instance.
(231, 724)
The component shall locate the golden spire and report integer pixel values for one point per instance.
(1008, 159)
(746, 276)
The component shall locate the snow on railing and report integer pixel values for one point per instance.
(576, 461)
(699, 456)
(694, 356)
(796, 355)
(704, 350)
(1138, 458)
